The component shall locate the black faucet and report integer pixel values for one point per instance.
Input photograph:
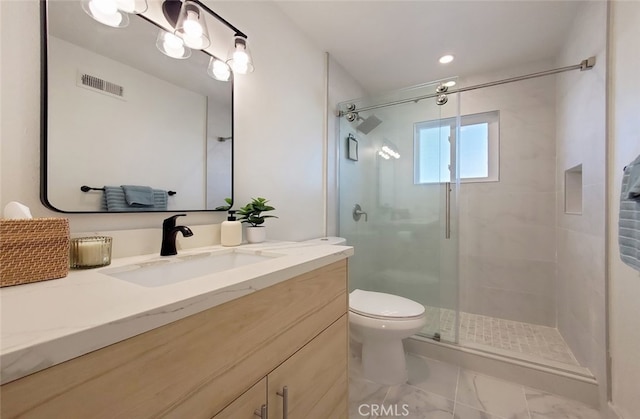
(169, 232)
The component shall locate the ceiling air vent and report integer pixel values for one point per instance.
(96, 83)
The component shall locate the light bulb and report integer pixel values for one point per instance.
(173, 45)
(192, 27)
(128, 6)
(240, 58)
(219, 70)
(450, 83)
(195, 42)
(104, 7)
(106, 12)
(240, 62)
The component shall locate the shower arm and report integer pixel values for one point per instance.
(586, 64)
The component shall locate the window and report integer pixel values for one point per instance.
(478, 149)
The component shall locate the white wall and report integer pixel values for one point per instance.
(278, 122)
(581, 139)
(92, 136)
(624, 146)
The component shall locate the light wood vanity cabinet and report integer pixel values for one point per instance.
(207, 365)
(250, 403)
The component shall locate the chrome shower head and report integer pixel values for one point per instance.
(368, 124)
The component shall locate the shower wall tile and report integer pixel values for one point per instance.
(509, 205)
(534, 277)
(518, 306)
(510, 240)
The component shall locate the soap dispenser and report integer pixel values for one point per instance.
(231, 231)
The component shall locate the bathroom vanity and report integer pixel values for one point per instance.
(276, 339)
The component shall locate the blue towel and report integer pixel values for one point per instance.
(114, 200)
(138, 196)
(629, 222)
(632, 190)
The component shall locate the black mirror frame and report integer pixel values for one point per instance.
(44, 31)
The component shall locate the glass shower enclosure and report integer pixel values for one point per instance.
(398, 189)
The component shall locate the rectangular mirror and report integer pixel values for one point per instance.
(116, 111)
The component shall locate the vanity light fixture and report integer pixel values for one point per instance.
(113, 13)
(172, 45)
(192, 26)
(188, 18)
(239, 58)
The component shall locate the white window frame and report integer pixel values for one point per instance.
(492, 118)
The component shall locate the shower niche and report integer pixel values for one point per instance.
(573, 190)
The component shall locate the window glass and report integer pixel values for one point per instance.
(478, 147)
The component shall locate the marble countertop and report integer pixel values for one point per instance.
(49, 322)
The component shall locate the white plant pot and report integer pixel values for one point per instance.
(256, 234)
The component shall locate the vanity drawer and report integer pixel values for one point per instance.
(191, 368)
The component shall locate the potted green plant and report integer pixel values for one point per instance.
(252, 214)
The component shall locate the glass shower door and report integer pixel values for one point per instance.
(397, 204)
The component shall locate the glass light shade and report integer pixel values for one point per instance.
(172, 45)
(192, 27)
(218, 69)
(239, 58)
(132, 6)
(106, 12)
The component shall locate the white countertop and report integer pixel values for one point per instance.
(49, 322)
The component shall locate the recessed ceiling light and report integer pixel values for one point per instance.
(446, 59)
(450, 83)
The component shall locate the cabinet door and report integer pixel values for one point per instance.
(315, 377)
(245, 406)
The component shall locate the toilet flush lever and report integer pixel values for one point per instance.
(357, 213)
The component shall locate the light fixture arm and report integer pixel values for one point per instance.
(172, 7)
(237, 31)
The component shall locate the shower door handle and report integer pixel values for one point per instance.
(447, 210)
(357, 213)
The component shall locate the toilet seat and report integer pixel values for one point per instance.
(379, 305)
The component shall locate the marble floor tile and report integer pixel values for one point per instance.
(465, 412)
(433, 376)
(414, 403)
(364, 392)
(491, 395)
(548, 406)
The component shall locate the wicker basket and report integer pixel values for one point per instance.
(33, 250)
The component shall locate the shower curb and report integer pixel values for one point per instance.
(577, 385)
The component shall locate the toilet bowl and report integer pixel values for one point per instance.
(379, 322)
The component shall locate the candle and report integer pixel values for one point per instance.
(90, 252)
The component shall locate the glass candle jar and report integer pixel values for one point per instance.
(90, 252)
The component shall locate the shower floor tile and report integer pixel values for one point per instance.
(524, 338)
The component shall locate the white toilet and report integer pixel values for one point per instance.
(379, 322)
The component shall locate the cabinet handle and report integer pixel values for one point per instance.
(262, 412)
(285, 401)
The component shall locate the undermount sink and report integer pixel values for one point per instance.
(174, 269)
